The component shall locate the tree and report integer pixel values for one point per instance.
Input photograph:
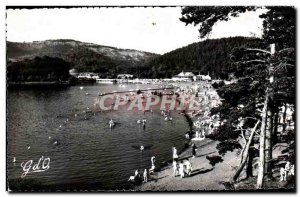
(266, 80)
(208, 16)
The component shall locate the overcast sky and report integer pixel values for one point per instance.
(156, 30)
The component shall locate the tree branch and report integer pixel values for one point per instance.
(238, 172)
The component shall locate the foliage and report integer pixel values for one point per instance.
(218, 85)
(253, 66)
(279, 26)
(224, 132)
(208, 16)
(209, 56)
(38, 69)
(228, 145)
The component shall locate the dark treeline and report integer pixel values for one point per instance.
(38, 69)
(211, 56)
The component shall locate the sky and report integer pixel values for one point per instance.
(156, 30)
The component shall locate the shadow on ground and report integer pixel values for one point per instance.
(200, 171)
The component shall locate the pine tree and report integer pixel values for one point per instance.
(266, 81)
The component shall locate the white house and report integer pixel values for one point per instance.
(88, 75)
(184, 76)
(124, 76)
(203, 77)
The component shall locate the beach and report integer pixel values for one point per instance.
(204, 176)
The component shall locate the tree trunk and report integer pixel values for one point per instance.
(261, 164)
(275, 127)
(249, 170)
(244, 147)
(241, 167)
(284, 118)
(268, 145)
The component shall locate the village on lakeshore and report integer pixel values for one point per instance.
(129, 78)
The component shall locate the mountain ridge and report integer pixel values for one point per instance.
(208, 56)
(83, 56)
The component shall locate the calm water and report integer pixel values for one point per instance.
(88, 153)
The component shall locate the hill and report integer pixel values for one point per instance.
(82, 56)
(212, 55)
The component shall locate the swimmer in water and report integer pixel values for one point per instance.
(111, 123)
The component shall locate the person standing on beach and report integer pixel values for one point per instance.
(194, 148)
(145, 176)
(136, 173)
(152, 160)
(175, 168)
(181, 169)
(175, 156)
(151, 170)
(188, 167)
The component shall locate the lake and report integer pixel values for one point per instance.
(84, 152)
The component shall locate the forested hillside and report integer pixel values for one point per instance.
(211, 56)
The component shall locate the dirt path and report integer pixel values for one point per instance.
(204, 176)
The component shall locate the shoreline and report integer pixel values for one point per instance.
(165, 180)
(204, 176)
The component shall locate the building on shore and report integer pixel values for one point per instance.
(88, 75)
(125, 76)
(200, 77)
(184, 76)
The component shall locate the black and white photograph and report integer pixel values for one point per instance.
(150, 98)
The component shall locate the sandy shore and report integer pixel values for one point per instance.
(207, 177)
(204, 176)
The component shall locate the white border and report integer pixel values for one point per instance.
(4, 3)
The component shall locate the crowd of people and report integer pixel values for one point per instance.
(206, 125)
(287, 171)
(182, 168)
(146, 173)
